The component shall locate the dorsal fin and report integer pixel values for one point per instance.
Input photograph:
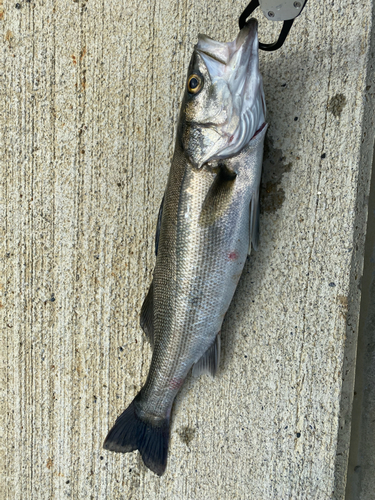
(147, 315)
(158, 227)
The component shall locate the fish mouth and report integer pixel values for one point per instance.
(237, 64)
(224, 59)
(223, 53)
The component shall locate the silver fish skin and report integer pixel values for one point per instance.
(208, 221)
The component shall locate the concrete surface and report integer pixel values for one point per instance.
(90, 93)
(361, 469)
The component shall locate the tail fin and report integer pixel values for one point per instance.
(131, 432)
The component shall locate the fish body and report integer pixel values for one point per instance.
(208, 221)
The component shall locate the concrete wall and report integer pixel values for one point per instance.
(90, 93)
(361, 468)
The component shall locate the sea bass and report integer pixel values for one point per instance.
(208, 220)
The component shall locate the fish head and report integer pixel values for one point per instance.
(223, 105)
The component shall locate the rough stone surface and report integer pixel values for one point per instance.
(90, 94)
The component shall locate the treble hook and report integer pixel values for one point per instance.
(270, 14)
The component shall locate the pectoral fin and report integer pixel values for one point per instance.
(218, 196)
(147, 315)
(254, 222)
(209, 362)
(226, 173)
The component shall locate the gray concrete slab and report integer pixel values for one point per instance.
(90, 94)
(361, 468)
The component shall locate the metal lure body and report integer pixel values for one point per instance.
(208, 221)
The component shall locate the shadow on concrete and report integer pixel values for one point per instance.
(361, 467)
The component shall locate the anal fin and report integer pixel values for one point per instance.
(209, 362)
(147, 315)
(254, 222)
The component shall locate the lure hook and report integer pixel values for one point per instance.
(270, 47)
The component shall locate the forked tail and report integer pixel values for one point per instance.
(131, 432)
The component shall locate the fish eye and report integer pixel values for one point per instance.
(195, 83)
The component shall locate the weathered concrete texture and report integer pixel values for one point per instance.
(89, 100)
(361, 469)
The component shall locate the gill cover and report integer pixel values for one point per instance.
(226, 107)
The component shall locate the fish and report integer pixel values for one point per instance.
(207, 223)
